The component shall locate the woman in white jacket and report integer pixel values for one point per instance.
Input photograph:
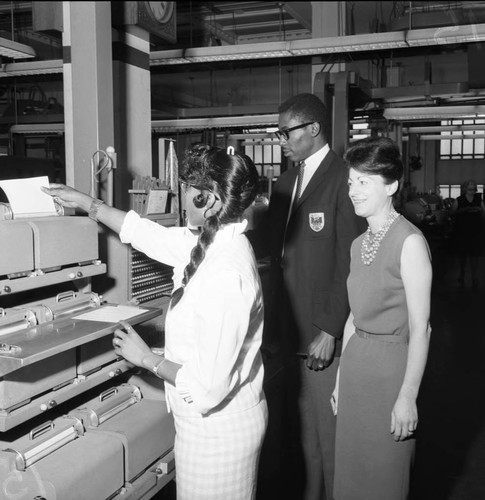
(212, 366)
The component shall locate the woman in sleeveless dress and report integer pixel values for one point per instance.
(386, 336)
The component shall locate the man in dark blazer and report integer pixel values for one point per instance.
(309, 242)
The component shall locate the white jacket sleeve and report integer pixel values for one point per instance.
(172, 246)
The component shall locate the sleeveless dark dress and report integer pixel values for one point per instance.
(369, 464)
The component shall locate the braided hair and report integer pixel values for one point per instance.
(234, 178)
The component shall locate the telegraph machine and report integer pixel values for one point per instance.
(76, 421)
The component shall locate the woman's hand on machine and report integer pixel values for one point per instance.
(130, 345)
(68, 196)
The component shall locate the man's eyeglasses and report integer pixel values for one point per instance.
(285, 133)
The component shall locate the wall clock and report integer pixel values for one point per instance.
(158, 18)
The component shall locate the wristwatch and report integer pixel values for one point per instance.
(93, 209)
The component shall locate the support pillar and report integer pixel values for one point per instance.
(131, 68)
(88, 87)
(341, 113)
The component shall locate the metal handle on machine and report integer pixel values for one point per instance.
(60, 297)
(31, 455)
(108, 394)
(114, 402)
(69, 303)
(42, 429)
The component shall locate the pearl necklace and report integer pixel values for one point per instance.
(371, 243)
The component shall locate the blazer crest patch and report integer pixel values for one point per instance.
(317, 221)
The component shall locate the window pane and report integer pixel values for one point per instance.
(276, 155)
(268, 157)
(444, 191)
(468, 147)
(445, 148)
(455, 190)
(456, 147)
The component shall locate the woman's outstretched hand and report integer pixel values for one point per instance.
(68, 196)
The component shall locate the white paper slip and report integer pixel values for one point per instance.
(111, 314)
(26, 198)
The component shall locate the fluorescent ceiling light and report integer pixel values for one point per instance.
(31, 68)
(15, 50)
(37, 128)
(439, 137)
(446, 35)
(354, 43)
(434, 113)
(240, 52)
(328, 45)
(220, 53)
(168, 57)
(218, 122)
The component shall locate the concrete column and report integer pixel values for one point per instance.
(340, 138)
(131, 68)
(88, 88)
(328, 19)
(320, 89)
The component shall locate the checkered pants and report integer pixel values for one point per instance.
(216, 457)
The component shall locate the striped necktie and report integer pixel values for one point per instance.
(299, 183)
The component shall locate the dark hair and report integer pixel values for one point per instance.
(233, 178)
(307, 108)
(376, 156)
(466, 183)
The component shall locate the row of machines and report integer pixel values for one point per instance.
(76, 421)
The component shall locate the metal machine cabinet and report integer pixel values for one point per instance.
(57, 460)
(132, 277)
(77, 422)
(143, 426)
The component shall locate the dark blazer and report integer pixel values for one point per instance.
(316, 242)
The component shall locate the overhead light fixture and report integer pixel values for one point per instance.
(15, 50)
(328, 45)
(353, 43)
(31, 68)
(465, 129)
(220, 53)
(238, 52)
(440, 137)
(37, 128)
(445, 35)
(434, 113)
(217, 122)
(168, 57)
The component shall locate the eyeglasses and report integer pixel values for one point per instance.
(184, 186)
(285, 133)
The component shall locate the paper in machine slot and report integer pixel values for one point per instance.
(27, 200)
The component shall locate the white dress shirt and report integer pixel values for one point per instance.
(311, 165)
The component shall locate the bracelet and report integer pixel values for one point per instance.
(93, 209)
(157, 366)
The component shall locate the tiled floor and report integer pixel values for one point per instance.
(450, 457)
